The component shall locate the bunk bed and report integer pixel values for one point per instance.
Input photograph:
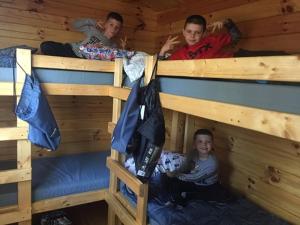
(257, 94)
(49, 183)
(275, 120)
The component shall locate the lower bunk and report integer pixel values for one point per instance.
(198, 212)
(59, 182)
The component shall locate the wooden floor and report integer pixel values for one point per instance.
(89, 214)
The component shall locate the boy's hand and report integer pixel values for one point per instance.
(123, 42)
(169, 45)
(215, 26)
(100, 24)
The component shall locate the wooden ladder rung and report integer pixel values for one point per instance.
(15, 175)
(13, 133)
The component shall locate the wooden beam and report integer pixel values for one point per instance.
(6, 88)
(125, 217)
(13, 133)
(188, 133)
(68, 201)
(23, 57)
(75, 89)
(131, 181)
(15, 175)
(125, 202)
(15, 216)
(66, 63)
(116, 112)
(149, 66)
(111, 126)
(273, 68)
(141, 206)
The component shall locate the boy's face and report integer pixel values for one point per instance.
(203, 143)
(112, 28)
(192, 33)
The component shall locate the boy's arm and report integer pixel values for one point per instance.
(199, 174)
(83, 25)
(233, 31)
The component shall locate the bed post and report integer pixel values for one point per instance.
(24, 146)
(113, 184)
(188, 133)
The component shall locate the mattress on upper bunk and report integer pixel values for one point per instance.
(198, 212)
(59, 176)
(63, 76)
(281, 97)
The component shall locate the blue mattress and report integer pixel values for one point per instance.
(281, 97)
(197, 212)
(275, 96)
(63, 76)
(59, 176)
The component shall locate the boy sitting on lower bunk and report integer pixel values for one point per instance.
(95, 31)
(197, 177)
(198, 44)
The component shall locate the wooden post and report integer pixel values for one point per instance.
(117, 104)
(23, 146)
(188, 133)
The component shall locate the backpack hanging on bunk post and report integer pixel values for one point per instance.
(150, 132)
(140, 130)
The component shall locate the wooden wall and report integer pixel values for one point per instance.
(82, 122)
(264, 168)
(265, 24)
(31, 22)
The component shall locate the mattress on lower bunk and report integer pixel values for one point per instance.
(63, 76)
(197, 212)
(59, 176)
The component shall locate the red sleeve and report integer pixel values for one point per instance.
(178, 55)
(222, 40)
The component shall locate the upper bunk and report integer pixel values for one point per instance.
(257, 93)
(60, 75)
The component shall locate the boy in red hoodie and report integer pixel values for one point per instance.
(199, 46)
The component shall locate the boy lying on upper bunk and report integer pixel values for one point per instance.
(197, 176)
(95, 31)
(199, 45)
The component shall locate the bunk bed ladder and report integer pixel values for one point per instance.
(20, 213)
(120, 210)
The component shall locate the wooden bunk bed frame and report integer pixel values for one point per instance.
(282, 125)
(278, 124)
(22, 213)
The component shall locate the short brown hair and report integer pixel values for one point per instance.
(196, 19)
(203, 132)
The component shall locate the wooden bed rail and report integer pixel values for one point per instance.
(272, 68)
(66, 63)
(131, 181)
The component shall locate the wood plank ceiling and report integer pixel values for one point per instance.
(157, 5)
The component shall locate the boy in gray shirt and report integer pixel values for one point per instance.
(95, 32)
(197, 177)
